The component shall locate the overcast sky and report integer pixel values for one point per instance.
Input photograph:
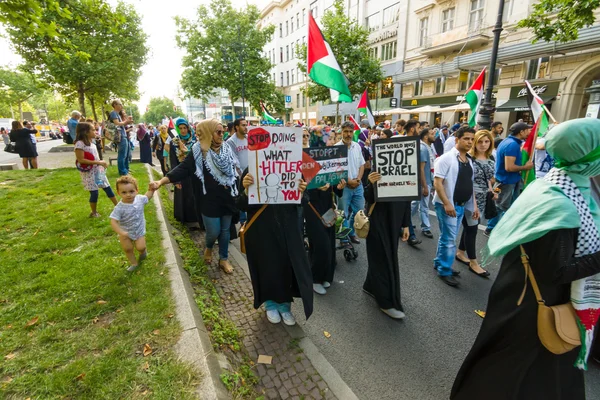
(161, 74)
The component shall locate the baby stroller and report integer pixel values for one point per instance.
(342, 233)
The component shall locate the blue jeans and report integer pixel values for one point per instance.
(353, 200)
(123, 155)
(218, 228)
(423, 206)
(281, 307)
(446, 249)
(491, 224)
(494, 221)
(243, 217)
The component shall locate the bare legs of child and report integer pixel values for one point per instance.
(140, 245)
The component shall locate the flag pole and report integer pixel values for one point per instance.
(549, 114)
(455, 110)
(306, 100)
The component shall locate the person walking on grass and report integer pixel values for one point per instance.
(128, 221)
(91, 168)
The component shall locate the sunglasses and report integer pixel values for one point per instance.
(219, 132)
(305, 136)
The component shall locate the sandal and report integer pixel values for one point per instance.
(207, 256)
(94, 215)
(226, 266)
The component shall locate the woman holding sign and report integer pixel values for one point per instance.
(389, 223)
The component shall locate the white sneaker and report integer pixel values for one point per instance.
(288, 318)
(273, 316)
(319, 289)
(326, 285)
(393, 313)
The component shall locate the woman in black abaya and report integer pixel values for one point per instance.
(389, 223)
(278, 265)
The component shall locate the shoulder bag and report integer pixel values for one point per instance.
(328, 219)
(490, 210)
(246, 226)
(557, 325)
(11, 148)
(112, 132)
(362, 223)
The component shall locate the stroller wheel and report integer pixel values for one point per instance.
(348, 255)
(354, 254)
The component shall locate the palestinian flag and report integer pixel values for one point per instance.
(527, 153)
(322, 66)
(473, 97)
(171, 129)
(266, 116)
(357, 130)
(536, 105)
(364, 106)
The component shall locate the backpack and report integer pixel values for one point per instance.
(112, 132)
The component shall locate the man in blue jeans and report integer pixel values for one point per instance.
(353, 197)
(453, 182)
(508, 170)
(123, 149)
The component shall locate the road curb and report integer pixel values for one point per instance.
(194, 345)
(335, 382)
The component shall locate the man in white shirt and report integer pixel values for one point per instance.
(453, 182)
(239, 143)
(353, 198)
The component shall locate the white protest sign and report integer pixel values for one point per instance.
(275, 162)
(397, 160)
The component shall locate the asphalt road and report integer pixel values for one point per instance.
(416, 358)
(42, 147)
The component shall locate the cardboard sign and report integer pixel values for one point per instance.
(397, 160)
(332, 163)
(275, 162)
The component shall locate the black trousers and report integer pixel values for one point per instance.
(467, 239)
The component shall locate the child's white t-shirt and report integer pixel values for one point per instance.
(131, 217)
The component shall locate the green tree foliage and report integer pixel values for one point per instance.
(98, 51)
(158, 108)
(560, 20)
(16, 88)
(349, 43)
(217, 44)
(56, 106)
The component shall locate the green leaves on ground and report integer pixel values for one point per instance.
(349, 42)
(74, 324)
(158, 108)
(218, 43)
(560, 20)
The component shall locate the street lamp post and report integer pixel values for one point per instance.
(485, 121)
(241, 57)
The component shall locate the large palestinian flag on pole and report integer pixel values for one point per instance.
(473, 98)
(322, 66)
(536, 105)
(364, 106)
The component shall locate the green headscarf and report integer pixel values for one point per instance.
(543, 207)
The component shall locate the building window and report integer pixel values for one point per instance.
(508, 5)
(292, 46)
(387, 88)
(391, 14)
(388, 51)
(476, 14)
(280, 30)
(273, 78)
(538, 68)
(281, 79)
(423, 31)
(418, 88)
(273, 55)
(287, 78)
(287, 30)
(303, 16)
(303, 100)
(467, 84)
(292, 24)
(314, 9)
(281, 54)
(293, 73)
(373, 51)
(373, 22)
(440, 85)
(297, 100)
(269, 55)
(287, 53)
(297, 20)
(448, 19)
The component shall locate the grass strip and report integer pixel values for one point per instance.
(224, 334)
(73, 323)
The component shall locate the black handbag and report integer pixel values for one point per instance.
(490, 211)
(10, 148)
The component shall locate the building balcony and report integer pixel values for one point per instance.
(461, 37)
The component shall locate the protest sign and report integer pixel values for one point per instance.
(275, 162)
(330, 163)
(397, 160)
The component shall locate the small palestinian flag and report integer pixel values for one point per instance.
(266, 116)
(356, 128)
(473, 98)
(364, 106)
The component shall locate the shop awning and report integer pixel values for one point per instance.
(521, 104)
(458, 107)
(426, 109)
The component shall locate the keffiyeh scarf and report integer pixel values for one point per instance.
(220, 165)
(585, 293)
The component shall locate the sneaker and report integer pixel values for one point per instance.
(132, 268)
(413, 241)
(288, 318)
(326, 285)
(319, 289)
(428, 234)
(393, 313)
(449, 280)
(487, 232)
(143, 256)
(273, 316)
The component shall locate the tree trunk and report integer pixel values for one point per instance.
(91, 99)
(81, 94)
(232, 109)
(12, 112)
(337, 112)
(103, 112)
(21, 111)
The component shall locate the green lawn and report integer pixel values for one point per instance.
(73, 323)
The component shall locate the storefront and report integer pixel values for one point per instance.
(441, 109)
(517, 107)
